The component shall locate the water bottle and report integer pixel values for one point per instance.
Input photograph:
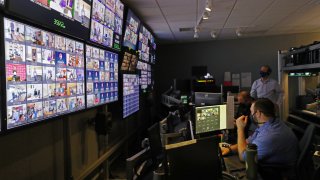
(251, 161)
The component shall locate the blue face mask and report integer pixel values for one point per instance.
(264, 74)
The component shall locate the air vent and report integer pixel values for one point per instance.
(186, 29)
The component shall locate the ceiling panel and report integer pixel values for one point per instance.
(253, 17)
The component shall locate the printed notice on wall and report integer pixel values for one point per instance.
(246, 79)
(235, 79)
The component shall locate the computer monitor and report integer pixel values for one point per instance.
(195, 158)
(210, 118)
(231, 89)
(207, 99)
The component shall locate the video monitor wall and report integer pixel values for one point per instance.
(68, 16)
(44, 74)
(129, 62)
(107, 22)
(102, 76)
(131, 30)
(130, 94)
(143, 45)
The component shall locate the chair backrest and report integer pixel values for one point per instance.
(305, 158)
(155, 140)
(195, 158)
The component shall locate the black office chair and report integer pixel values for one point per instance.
(305, 158)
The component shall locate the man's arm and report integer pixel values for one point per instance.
(253, 91)
(242, 143)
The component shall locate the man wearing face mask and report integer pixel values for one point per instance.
(266, 87)
(276, 143)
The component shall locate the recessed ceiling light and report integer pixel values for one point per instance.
(208, 7)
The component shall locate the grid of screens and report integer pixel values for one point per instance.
(211, 118)
(143, 46)
(106, 23)
(131, 31)
(61, 15)
(78, 10)
(145, 74)
(45, 74)
(153, 48)
(130, 94)
(129, 62)
(102, 76)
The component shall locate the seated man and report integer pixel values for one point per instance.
(245, 101)
(276, 143)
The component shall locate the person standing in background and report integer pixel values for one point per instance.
(266, 87)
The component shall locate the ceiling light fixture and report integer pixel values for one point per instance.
(213, 34)
(205, 15)
(208, 7)
(238, 32)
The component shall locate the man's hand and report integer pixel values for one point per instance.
(225, 151)
(242, 122)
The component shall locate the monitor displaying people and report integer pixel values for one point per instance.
(102, 76)
(106, 23)
(43, 72)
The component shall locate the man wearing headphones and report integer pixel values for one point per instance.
(266, 87)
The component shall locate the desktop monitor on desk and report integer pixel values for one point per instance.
(207, 99)
(195, 158)
(210, 118)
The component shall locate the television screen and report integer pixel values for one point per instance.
(131, 31)
(210, 118)
(153, 48)
(129, 61)
(130, 94)
(60, 15)
(102, 76)
(145, 74)
(143, 46)
(207, 99)
(107, 22)
(44, 74)
(1, 2)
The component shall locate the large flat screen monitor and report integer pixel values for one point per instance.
(143, 45)
(131, 31)
(145, 74)
(102, 76)
(210, 118)
(67, 16)
(44, 74)
(129, 61)
(130, 94)
(207, 99)
(153, 47)
(107, 22)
